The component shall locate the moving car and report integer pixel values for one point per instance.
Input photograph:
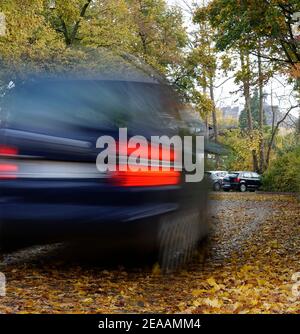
(241, 181)
(216, 178)
(51, 189)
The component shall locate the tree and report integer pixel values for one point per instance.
(160, 33)
(240, 149)
(274, 132)
(205, 60)
(284, 174)
(270, 20)
(97, 23)
(68, 15)
(244, 76)
(264, 28)
(50, 30)
(206, 63)
(254, 107)
(36, 40)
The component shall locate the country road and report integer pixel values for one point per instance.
(253, 251)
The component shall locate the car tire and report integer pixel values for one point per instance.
(179, 235)
(243, 187)
(217, 186)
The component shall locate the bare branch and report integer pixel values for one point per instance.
(222, 83)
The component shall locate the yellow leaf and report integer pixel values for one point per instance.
(182, 306)
(196, 303)
(212, 302)
(198, 292)
(87, 301)
(246, 268)
(211, 281)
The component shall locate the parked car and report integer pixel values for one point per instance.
(216, 178)
(241, 181)
(51, 189)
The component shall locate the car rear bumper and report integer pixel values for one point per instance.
(26, 224)
(66, 213)
(39, 211)
(236, 186)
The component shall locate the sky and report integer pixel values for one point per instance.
(224, 97)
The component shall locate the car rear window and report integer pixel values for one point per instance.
(88, 103)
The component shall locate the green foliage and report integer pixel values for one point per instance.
(159, 31)
(36, 33)
(284, 175)
(28, 34)
(245, 22)
(203, 104)
(240, 149)
(209, 164)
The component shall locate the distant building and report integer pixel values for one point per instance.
(233, 113)
(230, 112)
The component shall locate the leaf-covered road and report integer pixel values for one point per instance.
(254, 250)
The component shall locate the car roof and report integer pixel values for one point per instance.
(242, 171)
(217, 171)
(100, 64)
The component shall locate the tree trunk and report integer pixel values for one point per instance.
(261, 112)
(214, 116)
(71, 34)
(246, 89)
(206, 133)
(275, 130)
(270, 145)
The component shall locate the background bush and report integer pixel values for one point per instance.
(284, 172)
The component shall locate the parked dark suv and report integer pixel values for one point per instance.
(241, 181)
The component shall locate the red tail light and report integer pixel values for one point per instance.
(8, 170)
(147, 177)
(7, 150)
(237, 179)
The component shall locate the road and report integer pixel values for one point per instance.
(252, 254)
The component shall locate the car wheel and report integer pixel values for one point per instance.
(178, 238)
(217, 186)
(243, 188)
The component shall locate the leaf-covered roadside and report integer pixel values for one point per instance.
(253, 252)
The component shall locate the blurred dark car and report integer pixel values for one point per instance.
(241, 181)
(216, 178)
(50, 187)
